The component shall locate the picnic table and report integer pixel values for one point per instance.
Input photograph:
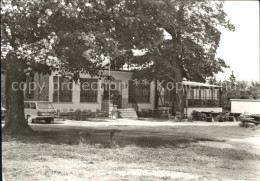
(254, 118)
(235, 115)
(248, 120)
(211, 116)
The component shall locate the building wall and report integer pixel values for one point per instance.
(44, 92)
(75, 104)
(245, 105)
(41, 92)
(40, 80)
(151, 104)
(120, 76)
(125, 76)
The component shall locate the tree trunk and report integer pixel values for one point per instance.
(15, 118)
(156, 102)
(178, 95)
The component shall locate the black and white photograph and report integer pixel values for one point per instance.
(130, 90)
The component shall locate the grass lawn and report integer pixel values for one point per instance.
(139, 153)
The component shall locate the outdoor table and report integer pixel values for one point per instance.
(236, 115)
(213, 115)
(245, 121)
(208, 115)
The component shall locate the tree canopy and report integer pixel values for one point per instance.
(68, 36)
(193, 28)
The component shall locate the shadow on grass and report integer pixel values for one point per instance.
(159, 119)
(138, 141)
(162, 141)
(102, 137)
(43, 122)
(98, 120)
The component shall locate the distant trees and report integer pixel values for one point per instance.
(235, 89)
(254, 90)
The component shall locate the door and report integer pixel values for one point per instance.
(115, 90)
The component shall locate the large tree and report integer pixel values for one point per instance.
(68, 36)
(190, 52)
(72, 36)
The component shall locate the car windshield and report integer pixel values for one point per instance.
(44, 105)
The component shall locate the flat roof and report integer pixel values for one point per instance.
(198, 84)
(246, 100)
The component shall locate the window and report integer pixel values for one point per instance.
(30, 86)
(44, 105)
(88, 90)
(139, 93)
(190, 94)
(62, 89)
(33, 106)
(203, 97)
(216, 93)
(26, 105)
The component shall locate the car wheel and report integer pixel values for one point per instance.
(29, 119)
(48, 121)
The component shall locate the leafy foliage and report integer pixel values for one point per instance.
(254, 90)
(70, 36)
(193, 27)
(235, 89)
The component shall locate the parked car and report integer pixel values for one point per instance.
(39, 110)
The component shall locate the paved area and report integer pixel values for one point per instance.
(140, 122)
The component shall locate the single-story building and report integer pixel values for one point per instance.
(93, 93)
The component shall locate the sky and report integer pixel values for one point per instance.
(240, 49)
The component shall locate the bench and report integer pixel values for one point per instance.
(111, 133)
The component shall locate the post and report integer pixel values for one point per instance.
(109, 112)
(220, 92)
(156, 94)
(58, 89)
(111, 138)
(186, 99)
(201, 104)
